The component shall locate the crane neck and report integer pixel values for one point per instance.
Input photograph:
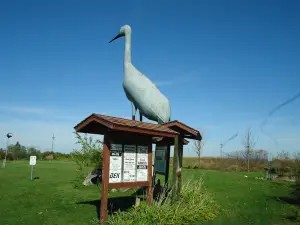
(127, 56)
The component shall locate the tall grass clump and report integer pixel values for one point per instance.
(195, 206)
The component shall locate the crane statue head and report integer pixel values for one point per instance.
(126, 29)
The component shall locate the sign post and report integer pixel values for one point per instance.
(32, 162)
(9, 135)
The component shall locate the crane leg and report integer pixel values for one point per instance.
(141, 116)
(133, 111)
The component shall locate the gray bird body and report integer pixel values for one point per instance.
(140, 90)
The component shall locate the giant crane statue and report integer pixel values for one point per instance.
(140, 90)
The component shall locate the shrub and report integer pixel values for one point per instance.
(195, 205)
(234, 168)
(49, 157)
(90, 154)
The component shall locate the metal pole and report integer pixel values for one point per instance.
(175, 160)
(221, 155)
(221, 150)
(31, 172)
(269, 175)
(248, 157)
(52, 142)
(4, 161)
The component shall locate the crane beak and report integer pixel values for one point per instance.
(116, 37)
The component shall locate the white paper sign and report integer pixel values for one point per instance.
(142, 163)
(115, 176)
(129, 163)
(32, 160)
(115, 163)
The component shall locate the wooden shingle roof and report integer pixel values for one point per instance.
(98, 123)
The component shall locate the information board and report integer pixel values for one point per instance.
(115, 163)
(142, 163)
(129, 172)
(160, 159)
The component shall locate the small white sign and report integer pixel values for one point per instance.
(129, 175)
(129, 163)
(32, 161)
(142, 173)
(142, 163)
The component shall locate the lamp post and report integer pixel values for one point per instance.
(52, 142)
(9, 135)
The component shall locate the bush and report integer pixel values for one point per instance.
(90, 154)
(234, 168)
(195, 205)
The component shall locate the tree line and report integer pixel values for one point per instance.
(20, 152)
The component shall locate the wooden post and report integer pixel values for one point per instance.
(105, 181)
(167, 165)
(149, 188)
(180, 156)
(175, 158)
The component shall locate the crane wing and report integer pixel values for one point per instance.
(143, 92)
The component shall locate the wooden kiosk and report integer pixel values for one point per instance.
(127, 152)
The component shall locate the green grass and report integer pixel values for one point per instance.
(246, 200)
(52, 199)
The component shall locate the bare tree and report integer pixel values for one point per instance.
(249, 144)
(198, 147)
(283, 155)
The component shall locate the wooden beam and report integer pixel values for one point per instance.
(105, 181)
(180, 156)
(175, 158)
(182, 126)
(91, 119)
(144, 131)
(149, 188)
(128, 184)
(167, 165)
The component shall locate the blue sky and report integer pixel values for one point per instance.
(224, 65)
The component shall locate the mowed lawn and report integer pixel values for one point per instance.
(52, 198)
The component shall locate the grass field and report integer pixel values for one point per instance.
(52, 199)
